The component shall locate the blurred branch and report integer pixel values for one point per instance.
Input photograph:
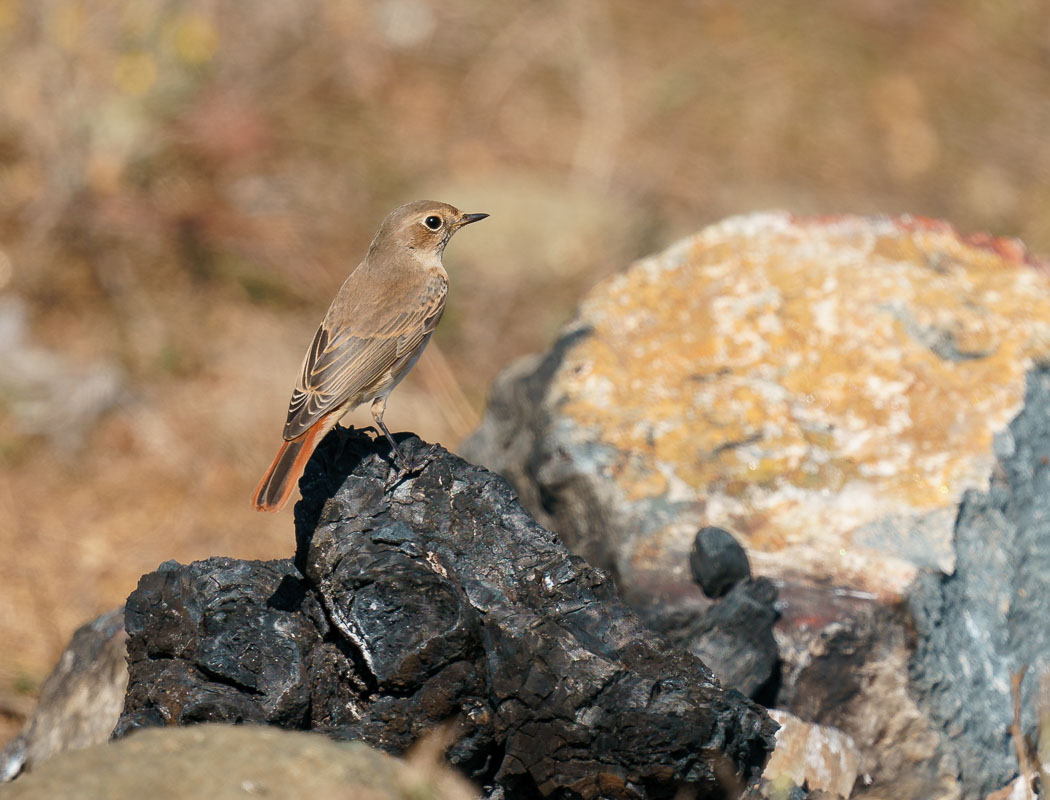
(530, 40)
(1017, 732)
(510, 55)
(452, 402)
(601, 96)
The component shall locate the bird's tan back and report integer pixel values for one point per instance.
(377, 318)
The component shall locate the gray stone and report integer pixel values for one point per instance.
(978, 626)
(79, 702)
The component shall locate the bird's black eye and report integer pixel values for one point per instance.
(432, 222)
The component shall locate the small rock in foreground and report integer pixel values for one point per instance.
(717, 561)
(228, 762)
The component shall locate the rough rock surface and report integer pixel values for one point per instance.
(985, 622)
(433, 598)
(828, 390)
(79, 702)
(228, 762)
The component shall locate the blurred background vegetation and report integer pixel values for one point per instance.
(185, 183)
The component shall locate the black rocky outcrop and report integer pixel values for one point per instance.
(438, 597)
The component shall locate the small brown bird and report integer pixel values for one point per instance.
(373, 334)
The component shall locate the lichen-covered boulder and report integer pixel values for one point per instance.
(826, 389)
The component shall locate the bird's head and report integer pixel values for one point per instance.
(424, 226)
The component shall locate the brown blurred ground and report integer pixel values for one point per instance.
(184, 185)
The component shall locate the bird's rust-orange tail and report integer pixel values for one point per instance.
(281, 478)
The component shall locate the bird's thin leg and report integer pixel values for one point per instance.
(378, 409)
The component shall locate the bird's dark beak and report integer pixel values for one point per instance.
(466, 219)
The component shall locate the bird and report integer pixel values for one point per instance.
(372, 335)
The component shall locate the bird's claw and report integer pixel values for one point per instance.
(409, 466)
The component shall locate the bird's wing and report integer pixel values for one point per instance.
(346, 360)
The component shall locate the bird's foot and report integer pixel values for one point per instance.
(409, 466)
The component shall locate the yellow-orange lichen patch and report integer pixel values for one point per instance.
(814, 374)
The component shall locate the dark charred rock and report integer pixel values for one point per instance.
(717, 561)
(220, 640)
(735, 636)
(435, 598)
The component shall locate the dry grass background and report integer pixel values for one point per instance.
(185, 183)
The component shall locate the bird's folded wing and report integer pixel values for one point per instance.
(342, 364)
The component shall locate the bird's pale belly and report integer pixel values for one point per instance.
(391, 377)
